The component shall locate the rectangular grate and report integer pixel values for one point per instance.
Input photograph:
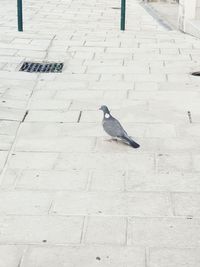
(42, 67)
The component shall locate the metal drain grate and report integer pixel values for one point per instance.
(41, 67)
(196, 73)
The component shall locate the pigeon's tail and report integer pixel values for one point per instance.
(131, 142)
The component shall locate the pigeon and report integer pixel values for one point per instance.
(113, 127)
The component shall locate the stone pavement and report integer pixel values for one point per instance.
(68, 197)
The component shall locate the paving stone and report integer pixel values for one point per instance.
(75, 69)
(11, 59)
(115, 94)
(2, 65)
(43, 94)
(6, 142)
(102, 56)
(35, 55)
(3, 156)
(181, 257)
(107, 203)
(107, 181)
(111, 85)
(15, 255)
(79, 94)
(54, 116)
(11, 103)
(50, 105)
(64, 144)
(41, 129)
(7, 52)
(17, 76)
(186, 204)
(21, 41)
(145, 77)
(109, 69)
(104, 44)
(170, 181)
(105, 62)
(22, 94)
(106, 230)
(8, 179)
(40, 229)
(195, 162)
(72, 77)
(111, 77)
(180, 144)
(172, 71)
(160, 130)
(191, 130)
(52, 180)
(24, 203)
(146, 86)
(32, 160)
(84, 55)
(11, 114)
(91, 116)
(164, 232)
(107, 161)
(87, 49)
(178, 77)
(89, 256)
(175, 162)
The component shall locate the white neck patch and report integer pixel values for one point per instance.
(107, 115)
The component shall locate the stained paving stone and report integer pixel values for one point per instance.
(89, 255)
(36, 229)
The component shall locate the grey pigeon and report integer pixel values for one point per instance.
(113, 127)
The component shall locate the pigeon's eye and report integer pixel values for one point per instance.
(107, 115)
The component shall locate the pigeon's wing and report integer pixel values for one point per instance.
(113, 127)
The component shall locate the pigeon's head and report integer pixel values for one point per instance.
(105, 109)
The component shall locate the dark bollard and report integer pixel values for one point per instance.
(123, 14)
(19, 15)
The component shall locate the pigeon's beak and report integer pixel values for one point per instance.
(100, 108)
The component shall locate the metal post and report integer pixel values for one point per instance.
(123, 14)
(19, 15)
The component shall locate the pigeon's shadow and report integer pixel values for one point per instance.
(118, 141)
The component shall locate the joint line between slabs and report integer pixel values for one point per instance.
(79, 117)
